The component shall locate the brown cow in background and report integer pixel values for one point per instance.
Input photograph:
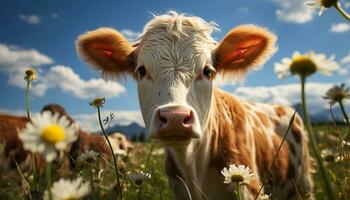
(11, 149)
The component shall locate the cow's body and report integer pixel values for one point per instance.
(244, 133)
(204, 129)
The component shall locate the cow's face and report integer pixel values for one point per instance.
(174, 65)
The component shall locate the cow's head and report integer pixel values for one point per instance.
(174, 64)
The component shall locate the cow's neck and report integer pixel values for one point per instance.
(193, 161)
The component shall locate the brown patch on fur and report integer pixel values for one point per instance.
(262, 151)
(106, 49)
(280, 111)
(9, 126)
(263, 118)
(55, 108)
(243, 48)
(298, 121)
(280, 168)
(297, 133)
(229, 141)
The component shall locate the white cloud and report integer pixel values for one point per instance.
(89, 121)
(293, 11)
(67, 80)
(30, 19)
(343, 71)
(340, 27)
(288, 94)
(16, 112)
(130, 35)
(347, 4)
(346, 59)
(14, 58)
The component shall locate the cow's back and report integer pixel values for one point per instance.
(268, 124)
(9, 127)
(250, 134)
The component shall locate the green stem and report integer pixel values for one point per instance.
(110, 147)
(48, 178)
(338, 7)
(91, 178)
(291, 121)
(344, 113)
(28, 100)
(34, 171)
(316, 151)
(340, 137)
(140, 193)
(239, 191)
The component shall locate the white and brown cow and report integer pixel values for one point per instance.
(204, 128)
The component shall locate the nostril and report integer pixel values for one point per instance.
(189, 119)
(162, 119)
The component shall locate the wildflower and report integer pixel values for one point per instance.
(305, 65)
(30, 74)
(323, 5)
(139, 177)
(66, 189)
(328, 155)
(240, 173)
(98, 102)
(47, 133)
(89, 156)
(337, 93)
(264, 197)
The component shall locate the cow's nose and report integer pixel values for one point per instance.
(174, 116)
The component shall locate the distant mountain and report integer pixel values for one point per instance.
(322, 115)
(133, 129)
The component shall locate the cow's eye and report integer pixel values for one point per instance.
(207, 72)
(141, 72)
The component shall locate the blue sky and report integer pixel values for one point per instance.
(42, 34)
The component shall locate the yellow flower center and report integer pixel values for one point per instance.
(237, 178)
(53, 133)
(303, 66)
(30, 72)
(98, 102)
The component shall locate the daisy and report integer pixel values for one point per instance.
(48, 133)
(306, 64)
(139, 177)
(337, 93)
(30, 74)
(89, 156)
(328, 155)
(323, 5)
(98, 102)
(68, 190)
(240, 173)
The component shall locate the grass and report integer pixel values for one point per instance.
(13, 185)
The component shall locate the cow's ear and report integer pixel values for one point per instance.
(243, 48)
(107, 50)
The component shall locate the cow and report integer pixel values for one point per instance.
(203, 128)
(12, 149)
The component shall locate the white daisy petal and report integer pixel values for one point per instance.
(47, 133)
(66, 189)
(241, 173)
